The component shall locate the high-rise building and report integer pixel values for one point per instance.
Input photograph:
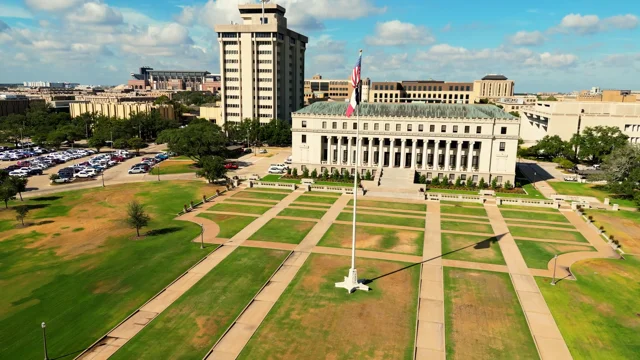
(261, 65)
(493, 87)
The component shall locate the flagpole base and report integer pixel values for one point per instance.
(351, 282)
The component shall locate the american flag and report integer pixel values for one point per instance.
(355, 84)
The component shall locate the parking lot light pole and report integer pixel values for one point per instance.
(158, 171)
(555, 261)
(201, 236)
(44, 338)
(102, 175)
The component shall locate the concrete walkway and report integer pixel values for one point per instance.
(430, 336)
(545, 332)
(241, 331)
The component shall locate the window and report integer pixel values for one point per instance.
(376, 126)
(443, 128)
(467, 129)
(479, 130)
(387, 127)
(463, 177)
(344, 126)
(398, 127)
(452, 177)
(475, 179)
(420, 128)
(432, 128)
(503, 130)
(366, 126)
(455, 128)
(324, 124)
(304, 139)
(304, 123)
(499, 179)
(409, 127)
(502, 146)
(355, 126)
(334, 125)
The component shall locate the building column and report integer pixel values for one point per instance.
(470, 156)
(459, 156)
(436, 149)
(403, 149)
(349, 150)
(370, 153)
(392, 152)
(380, 155)
(339, 148)
(414, 153)
(424, 154)
(447, 150)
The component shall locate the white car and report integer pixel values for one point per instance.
(275, 170)
(289, 160)
(86, 173)
(19, 173)
(262, 151)
(137, 170)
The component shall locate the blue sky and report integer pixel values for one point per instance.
(543, 45)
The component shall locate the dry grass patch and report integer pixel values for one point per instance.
(623, 225)
(472, 248)
(315, 320)
(375, 239)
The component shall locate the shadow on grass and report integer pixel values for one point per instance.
(36, 206)
(163, 231)
(67, 354)
(484, 244)
(47, 198)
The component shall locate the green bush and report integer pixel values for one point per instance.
(423, 179)
(435, 181)
(305, 173)
(494, 183)
(458, 182)
(507, 185)
(469, 183)
(314, 173)
(325, 174)
(482, 184)
(294, 172)
(367, 176)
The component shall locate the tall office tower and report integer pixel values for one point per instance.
(261, 64)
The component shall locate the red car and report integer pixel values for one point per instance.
(231, 166)
(24, 163)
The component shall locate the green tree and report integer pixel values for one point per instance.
(294, 172)
(56, 138)
(345, 176)
(422, 179)
(96, 142)
(325, 174)
(500, 106)
(314, 174)
(551, 147)
(494, 183)
(212, 168)
(335, 175)
(367, 175)
(7, 193)
(21, 213)
(435, 181)
(566, 164)
(305, 173)
(136, 216)
(19, 184)
(121, 144)
(515, 114)
(136, 144)
(458, 182)
(622, 171)
(507, 185)
(599, 141)
(199, 139)
(482, 184)
(469, 182)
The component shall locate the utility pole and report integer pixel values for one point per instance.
(555, 261)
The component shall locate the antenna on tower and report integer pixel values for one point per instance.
(262, 18)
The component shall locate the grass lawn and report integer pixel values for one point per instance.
(529, 208)
(283, 231)
(259, 195)
(317, 199)
(597, 315)
(390, 205)
(557, 217)
(623, 225)
(483, 317)
(315, 320)
(598, 191)
(472, 248)
(229, 225)
(459, 210)
(278, 178)
(538, 254)
(385, 220)
(174, 167)
(376, 239)
(191, 325)
(244, 209)
(567, 226)
(546, 234)
(462, 203)
(280, 191)
(84, 283)
(302, 213)
(466, 227)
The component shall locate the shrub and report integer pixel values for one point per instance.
(367, 176)
(508, 185)
(294, 172)
(435, 181)
(54, 177)
(482, 184)
(345, 176)
(325, 174)
(423, 179)
(335, 175)
(458, 182)
(469, 183)
(305, 173)
(314, 173)
(289, 171)
(494, 183)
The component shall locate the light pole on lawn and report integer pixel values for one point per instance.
(158, 171)
(201, 236)
(44, 338)
(102, 175)
(555, 261)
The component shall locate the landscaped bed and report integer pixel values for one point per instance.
(191, 325)
(376, 239)
(546, 234)
(315, 320)
(283, 231)
(483, 317)
(624, 226)
(384, 220)
(598, 314)
(229, 225)
(383, 205)
(537, 254)
(597, 191)
(472, 248)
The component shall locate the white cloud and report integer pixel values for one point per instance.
(97, 14)
(446, 28)
(397, 33)
(49, 45)
(552, 60)
(52, 5)
(136, 18)
(526, 38)
(13, 11)
(591, 24)
(187, 16)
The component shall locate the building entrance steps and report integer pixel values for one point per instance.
(396, 177)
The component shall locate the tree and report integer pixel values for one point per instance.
(483, 101)
(551, 147)
(494, 183)
(500, 106)
(367, 175)
(314, 174)
(458, 182)
(198, 139)
(136, 216)
(325, 174)
(7, 193)
(345, 176)
(422, 179)
(19, 184)
(294, 172)
(136, 144)
(56, 138)
(566, 164)
(507, 185)
(21, 213)
(212, 168)
(435, 181)
(335, 175)
(599, 141)
(120, 144)
(622, 171)
(469, 182)
(305, 173)
(515, 114)
(482, 184)
(96, 142)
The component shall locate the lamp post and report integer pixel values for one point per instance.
(102, 175)
(534, 180)
(44, 338)
(158, 171)
(201, 236)
(555, 261)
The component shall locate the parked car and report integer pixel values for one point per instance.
(262, 151)
(570, 178)
(19, 173)
(275, 170)
(137, 170)
(34, 171)
(289, 160)
(231, 166)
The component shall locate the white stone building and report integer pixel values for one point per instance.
(456, 140)
(261, 65)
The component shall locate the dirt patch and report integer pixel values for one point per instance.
(109, 287)
(303, 226)
(398, 241)
(207, 329)
(624, 230)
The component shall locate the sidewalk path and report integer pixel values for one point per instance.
(241, 331)
(545, 332)
(430, 336)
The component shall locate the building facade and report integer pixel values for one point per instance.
(466, 141)
(493, 87)
(568, 118)
(262, 65)
(119, 110)
(150, 79)
(517, 102)
(428, 91)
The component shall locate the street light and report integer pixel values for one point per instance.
(44, 337)
(158, 171)
(102, 175)
(555, 261)
(201, 236)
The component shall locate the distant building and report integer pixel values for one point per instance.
(421, 91)
(493, 87)
(212, 113)
(119, 110)
(16, 104)
(46, 84)
(262, 65)
(212, 83)
(149, 79)
(337, 90)
(516, 102)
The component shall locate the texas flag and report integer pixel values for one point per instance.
(355, 84)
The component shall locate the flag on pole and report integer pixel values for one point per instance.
(355, 84)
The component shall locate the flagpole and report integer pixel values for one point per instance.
(355, 189)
